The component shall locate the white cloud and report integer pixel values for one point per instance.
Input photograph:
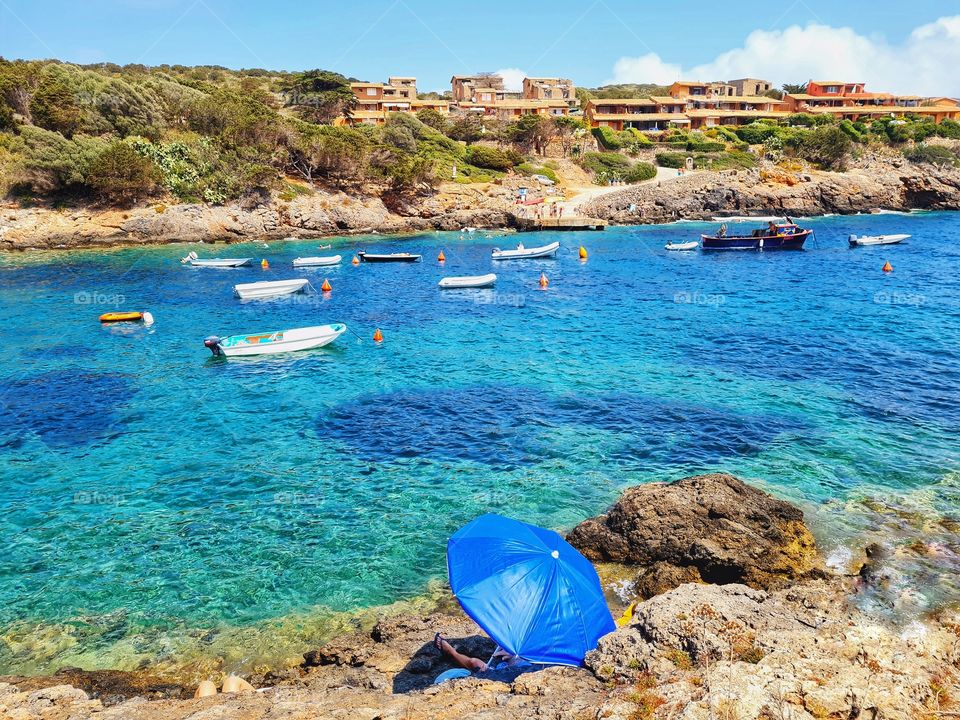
(925, 63)
(512, 79)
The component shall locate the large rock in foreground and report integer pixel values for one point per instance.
(709, 528)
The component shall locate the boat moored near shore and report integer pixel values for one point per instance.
(864, 240)
(776, 236)
(271, 343)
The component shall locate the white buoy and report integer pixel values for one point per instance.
(147, 319)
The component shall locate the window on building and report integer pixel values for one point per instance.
(832, 89)
(372, 92)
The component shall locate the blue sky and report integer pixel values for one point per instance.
(591, 41)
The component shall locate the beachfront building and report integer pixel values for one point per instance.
(485, 95)
(691, 105)
(851, 101)
(551, 89)
(750, 86)
(376, 100)
(647, 114)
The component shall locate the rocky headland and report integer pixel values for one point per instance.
(742, 621)
(872, 182)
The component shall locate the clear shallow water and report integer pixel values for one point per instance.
(159, 504)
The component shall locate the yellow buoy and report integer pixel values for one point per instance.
(887, 267)
(583, 253)
(355, 261)
(264, 264)
(543, 281)
(377, 335)
(326, 286)
(441, 257)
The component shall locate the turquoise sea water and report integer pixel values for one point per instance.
(155, 499)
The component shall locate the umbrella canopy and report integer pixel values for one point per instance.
(532, 592)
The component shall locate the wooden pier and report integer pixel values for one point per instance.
(568, 223)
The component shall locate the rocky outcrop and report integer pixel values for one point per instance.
(887, 183)
(709, 528)
(320, 213)
(707, 651)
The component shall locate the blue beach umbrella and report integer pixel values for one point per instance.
(533, 593)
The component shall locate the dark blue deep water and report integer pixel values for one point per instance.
(154, 498)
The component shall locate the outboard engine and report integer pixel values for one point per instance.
(213, 342)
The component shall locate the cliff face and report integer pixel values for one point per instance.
(318, 214)
(894, 185)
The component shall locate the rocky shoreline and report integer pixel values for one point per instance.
(872, 183)
(741, 621)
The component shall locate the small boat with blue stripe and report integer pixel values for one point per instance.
(279, 341)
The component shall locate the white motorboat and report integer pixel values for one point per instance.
(876, 240)
(317, 261)
(388, 257)
(468, 281)
(270, 343)
(693, 245)
(192, 259)
(269, 288)
(523, 253)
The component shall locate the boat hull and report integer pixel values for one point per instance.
(317, 261)
(794, 241)
(262, 290)
(283, 341)
(868, 240)
(393, 257)
(527, 253)
(221, 262)
(468, 281)
(681, 247)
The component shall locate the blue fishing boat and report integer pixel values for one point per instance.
(776, 236)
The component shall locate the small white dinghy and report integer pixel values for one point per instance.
(524, 253)
(270, 343)
(269, 289)
(192, 259)
(317, 261)
(693, 245)
(876, 240)
(468, 281)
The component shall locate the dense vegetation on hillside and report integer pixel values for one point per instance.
(208, 134)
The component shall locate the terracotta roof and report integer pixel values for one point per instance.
(618, 101)
(667, 100)
(649, 117)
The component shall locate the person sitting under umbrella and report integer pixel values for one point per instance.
(500, 660)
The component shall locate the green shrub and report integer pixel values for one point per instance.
(949, 129)
(531, 169)
(706, 146)
(639, 172)
(851, 131)
(604, 161)
(826, 146)
(756, 133)
(932, 155)
(121, 175)
(671, 159)
(607, 138)
(726, 133)
(490, 158)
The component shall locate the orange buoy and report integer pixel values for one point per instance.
(377, 335)
(543, 281)
(326, 286)
(355, 261)
(441, 257)
(583, 253)
(264, 264)
(887, 267)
